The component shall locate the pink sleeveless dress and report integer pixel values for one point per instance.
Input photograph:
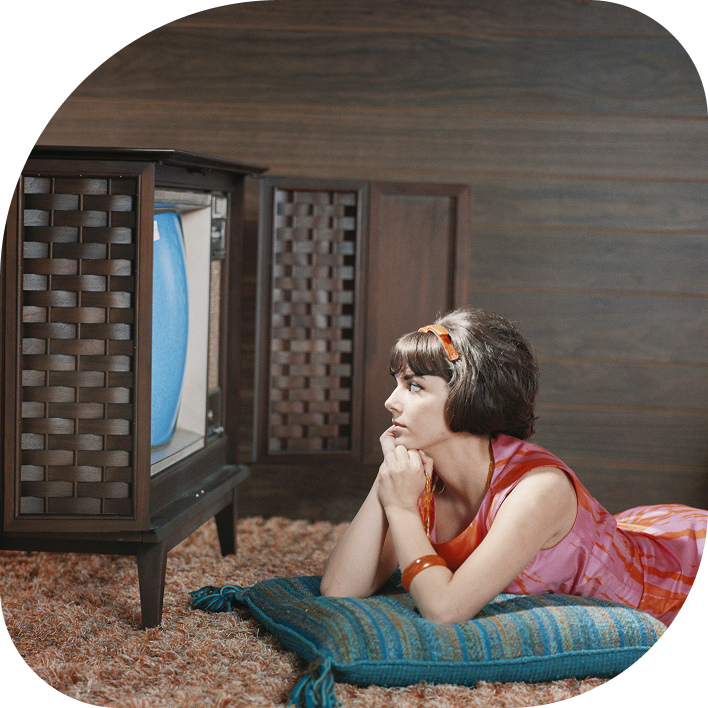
(646, 557)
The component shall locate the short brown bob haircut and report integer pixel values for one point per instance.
(494, 382)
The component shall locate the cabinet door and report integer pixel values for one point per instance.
(346, 268)
(416, 254)
(77, 323)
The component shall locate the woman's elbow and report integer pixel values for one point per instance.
(338, 587)
(442, 616)
(341, 591)
(443, 613)
(330, 588)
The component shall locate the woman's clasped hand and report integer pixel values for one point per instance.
(403, 473)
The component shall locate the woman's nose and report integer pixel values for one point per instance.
(391, 403)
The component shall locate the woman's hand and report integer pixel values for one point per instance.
(402, 475)
(388, 441)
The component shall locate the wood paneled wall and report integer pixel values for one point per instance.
(581, 129)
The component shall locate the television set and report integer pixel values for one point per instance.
(121, 362)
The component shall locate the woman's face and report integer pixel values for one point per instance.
(417, 407)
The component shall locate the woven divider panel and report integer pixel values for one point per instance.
(77, 347)
(312, 321)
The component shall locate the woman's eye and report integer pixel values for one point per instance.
(415, 387)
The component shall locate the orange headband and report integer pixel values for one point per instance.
(443, 335)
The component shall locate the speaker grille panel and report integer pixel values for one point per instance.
(77, 346)
(312, 320)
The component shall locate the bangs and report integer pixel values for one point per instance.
(422, 353)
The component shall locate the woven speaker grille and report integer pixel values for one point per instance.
(77, 347)
(312, 321)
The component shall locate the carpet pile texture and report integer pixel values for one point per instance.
(75, 619)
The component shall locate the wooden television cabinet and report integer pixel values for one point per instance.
(79, 474)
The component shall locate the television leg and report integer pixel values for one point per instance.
(226, 527)
(152, 566)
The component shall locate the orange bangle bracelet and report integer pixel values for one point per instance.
(417, 566)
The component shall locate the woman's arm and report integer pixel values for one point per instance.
(536, 514)
(364, 558)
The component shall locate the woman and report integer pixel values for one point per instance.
(468, 509)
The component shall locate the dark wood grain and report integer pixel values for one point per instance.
(600, 261)
(620, 487)
(580, 325)
(459, 145)
(623, 436)
(614, 383)
(448, 16)
(405, 71)
(649, 205)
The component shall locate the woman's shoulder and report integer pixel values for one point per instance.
(517, 459)
(513, 458)
(520, 460)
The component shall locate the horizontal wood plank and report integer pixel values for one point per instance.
(293, 140)
(586, 260)
(448, 16)
(583, 326)
(624, 437)
(620, 487)
(650, 206)
(336, 493)
(558, 74)
(609, 383)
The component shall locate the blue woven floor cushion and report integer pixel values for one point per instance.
(383, 640)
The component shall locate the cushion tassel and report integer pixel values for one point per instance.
(212, 599)
(316, 688)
